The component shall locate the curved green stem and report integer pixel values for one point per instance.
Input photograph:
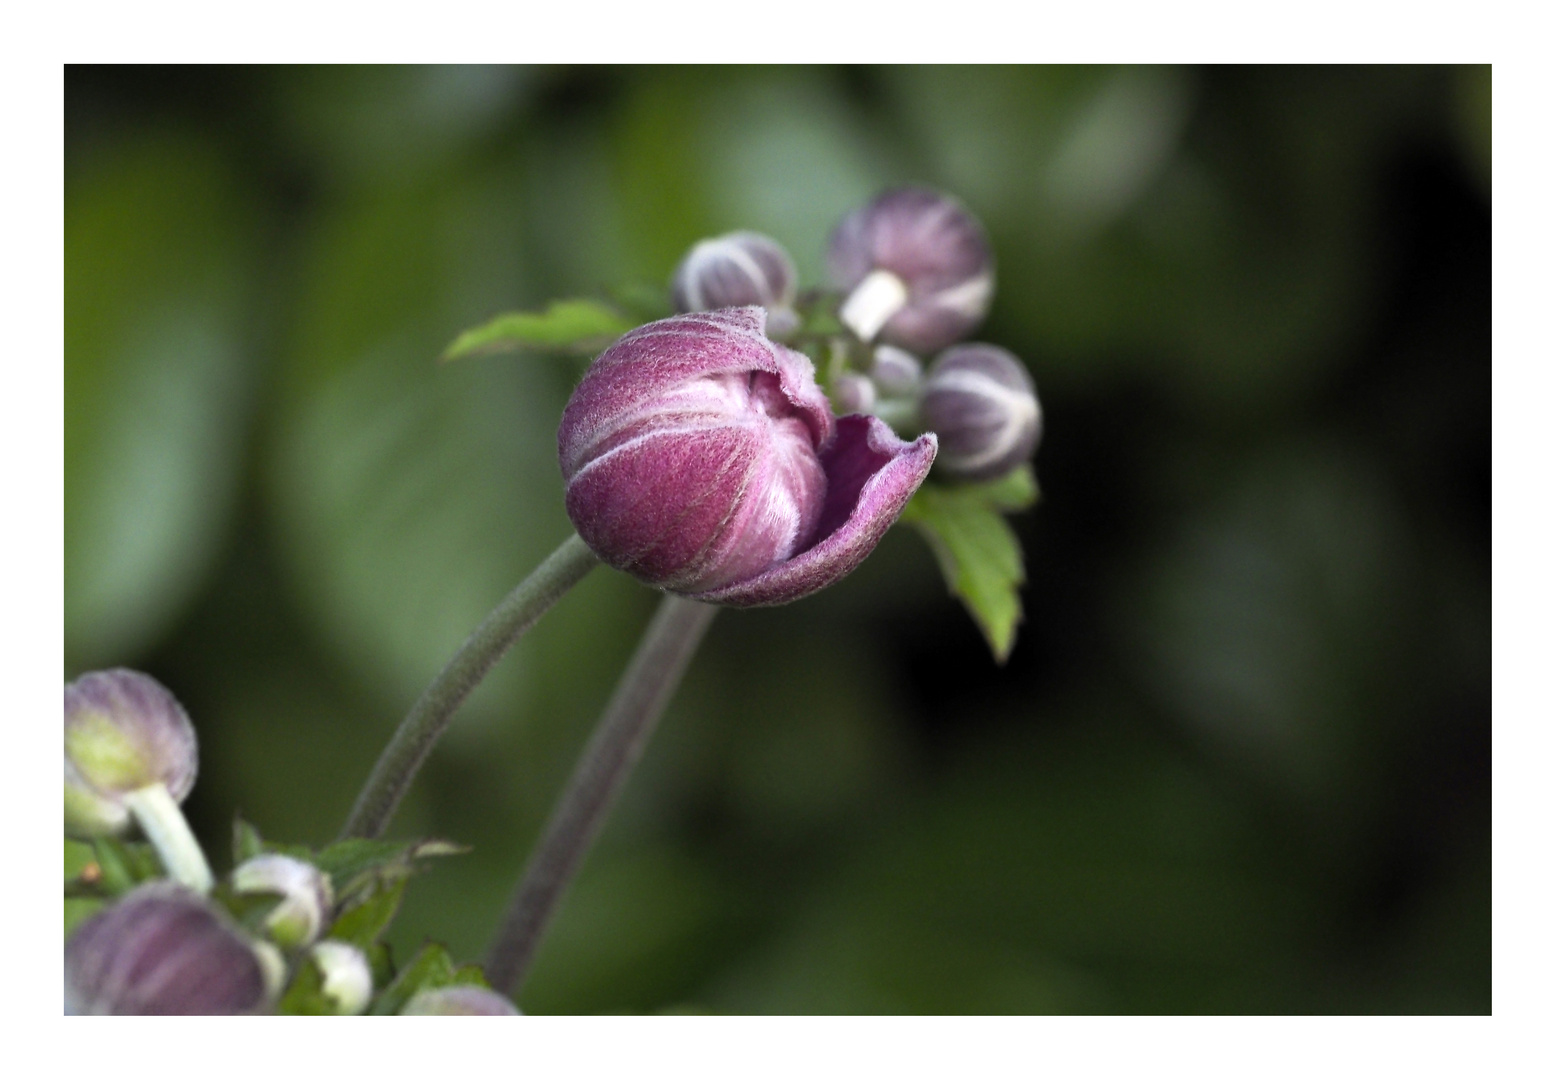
(163, 823)
(641, 696)
(433, 711)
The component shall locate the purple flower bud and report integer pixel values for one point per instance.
(123, 732)
(917, 268)
(896, 371)
(734, 270)
(459, 1001)
(981, 402)
(702, 458)
(162, 950)
(853, 393)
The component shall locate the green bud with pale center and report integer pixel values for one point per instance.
(305, 892)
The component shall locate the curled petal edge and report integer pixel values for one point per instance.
(872, 474)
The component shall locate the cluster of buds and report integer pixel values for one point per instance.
(178, 946)
(701, 455)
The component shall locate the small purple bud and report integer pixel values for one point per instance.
(853, 393)
(703, 459)
(734, 270)
(896, 371)
(982, 403)
(124, 732)
(917, 269)
(305, 892)
(459, 1001)
(162, 950)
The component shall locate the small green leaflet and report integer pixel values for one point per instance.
(430, 969)
(977, 550)
(580, 327)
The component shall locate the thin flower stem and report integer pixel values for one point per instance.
(433, 711)
(165, 827)
(641, 696)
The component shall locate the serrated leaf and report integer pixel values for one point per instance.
(569, 326)
(246, 842)
(363, 924)
(978, 552)
(428, 970)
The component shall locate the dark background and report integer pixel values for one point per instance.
(1240, 758)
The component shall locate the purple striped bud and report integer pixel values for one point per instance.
(982, 403)
(703, 459)
(162, 950)
(734, 270)
(896, 371)
(917, 269)
(459, 1001)
(124, 732)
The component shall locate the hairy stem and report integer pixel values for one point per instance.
(618, 741)
(433, 711)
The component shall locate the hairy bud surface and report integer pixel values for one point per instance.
(734, 270)
(702, 458)
(982, 403)
(162, 950)
(917, 269)
(124, 732)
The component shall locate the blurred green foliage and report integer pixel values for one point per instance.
(1239, 759)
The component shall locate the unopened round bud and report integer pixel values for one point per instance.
(896, 372)
(853, 393)
(346, 977)
(734, 270)
(162, 950)
(981, 402)
(917, 269)
(306, 896)
(459, 1001)
(124, 732)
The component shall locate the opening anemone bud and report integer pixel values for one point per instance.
(162, 950)
(734, 270)
(306, 896)
(703, 459)
(124, 733)
(982, 403)
(459, 1001)
(916, 267)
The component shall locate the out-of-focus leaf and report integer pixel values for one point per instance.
(428, 970)
(125, 864)
(978, 551)
(363, 924)
(570, 326)
(246, 841)
(156, 384)
(358, 865)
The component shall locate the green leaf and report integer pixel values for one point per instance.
(124, 865)
(246, 842)
(363, 924)
(571, 326)
(428, 970)
(978, 552)
(306, 997)
(360, 866)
